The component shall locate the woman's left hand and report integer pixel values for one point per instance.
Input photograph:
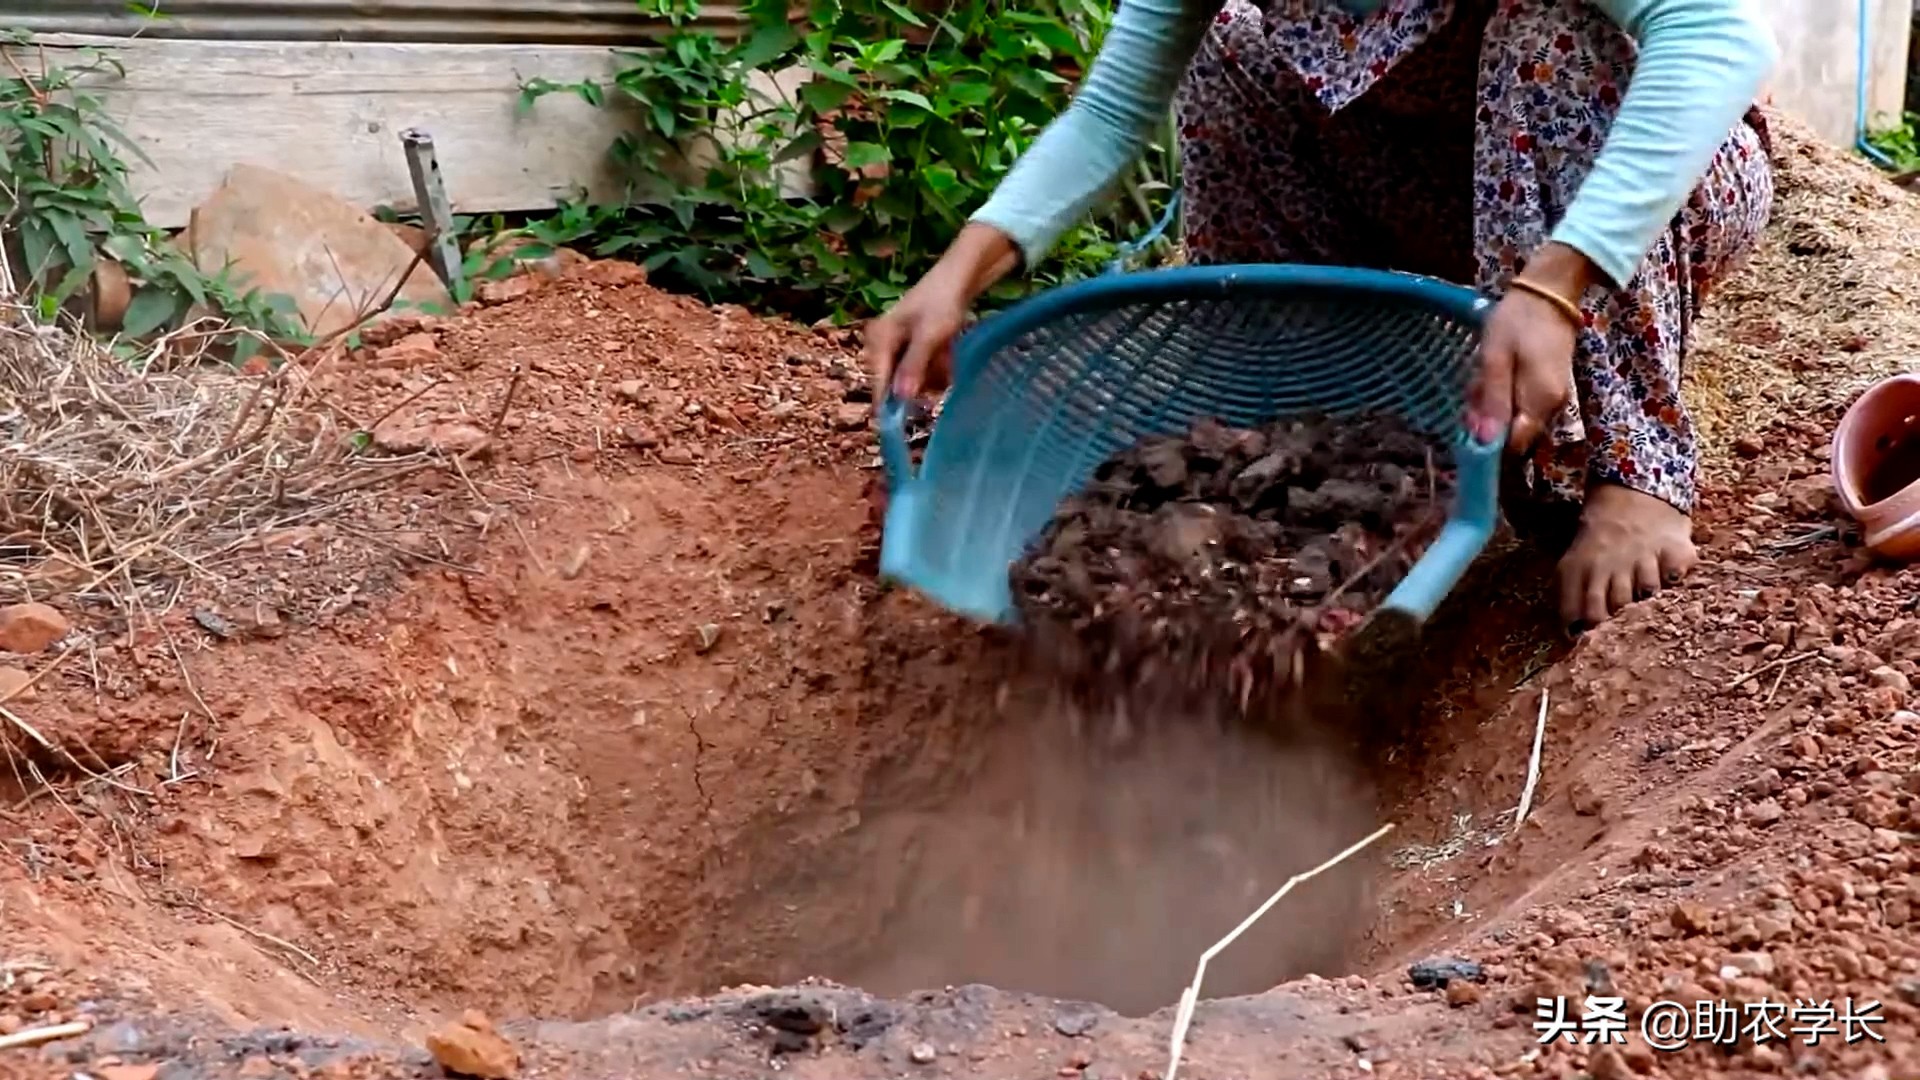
(1526, 352)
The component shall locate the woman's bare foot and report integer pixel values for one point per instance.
(1629, 545)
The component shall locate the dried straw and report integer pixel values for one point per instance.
(163, 467)
(1828, 303)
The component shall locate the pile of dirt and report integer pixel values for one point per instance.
(1222, 560)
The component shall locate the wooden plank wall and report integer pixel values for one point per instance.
(330, 113)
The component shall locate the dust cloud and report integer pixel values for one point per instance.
(1094, 857)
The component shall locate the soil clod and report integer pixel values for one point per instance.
(471, 1047)
(31, 628)
(1440, 972)
(1076, 1023)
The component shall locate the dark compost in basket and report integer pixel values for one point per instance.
(1225, 560)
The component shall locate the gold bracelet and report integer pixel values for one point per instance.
(1566, 307)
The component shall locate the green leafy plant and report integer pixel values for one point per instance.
(1901, 143)
(905, 119)
(65, 207)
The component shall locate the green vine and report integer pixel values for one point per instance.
(831, 196)
(65, 206)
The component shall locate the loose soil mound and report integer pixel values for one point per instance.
(1222, 559)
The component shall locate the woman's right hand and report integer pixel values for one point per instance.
(909, 350)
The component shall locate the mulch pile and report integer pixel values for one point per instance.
(1222, 559)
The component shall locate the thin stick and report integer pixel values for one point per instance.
(1191, 996)
(41, 1035)
(1778, 678)
(1784, 662)
(513, 387)
(260, 934)
(1399, 544)
(32, 732)
(1533, 763)
(179, 661)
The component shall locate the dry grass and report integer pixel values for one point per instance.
(1829, 303)
(121, 474)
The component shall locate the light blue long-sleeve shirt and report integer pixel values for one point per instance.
(1701, 64)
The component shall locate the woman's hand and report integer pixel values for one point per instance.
(1526, 351)
(909, 350)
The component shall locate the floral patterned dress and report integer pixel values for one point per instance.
(1447, 137)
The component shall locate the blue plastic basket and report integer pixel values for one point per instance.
(1048, 389)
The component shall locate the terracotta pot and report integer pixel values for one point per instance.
(1876, 466)
(112, 293)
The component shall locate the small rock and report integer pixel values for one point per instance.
(1599, 978)
(1848, 964)
(1461, 993)
(1748, 446)
(1757, 964)
(14, 685)
(1876, 811)
(1437, 973)
(632, 390)
(127, 1072)
(289, 238)
(458, 439)
(1811, 497)
(1690, 918)
(470, 1047)
(923, 1053)
(1886, 840)
(1564, 924)
(1077, 1023)
(257, 1067)
(1585, 801)
(214, 623)
(707, 635)
(11, 1023)
(676, 455)
(491, 293)
(1765, 812)
(414, 350)
(1891, 678)
(851, 417)
(30, 628)
(1909, 990)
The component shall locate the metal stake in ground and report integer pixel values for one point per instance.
(431, 196)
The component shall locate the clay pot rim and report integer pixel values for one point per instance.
(1851, 419)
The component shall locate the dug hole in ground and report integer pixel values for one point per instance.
(565, 731)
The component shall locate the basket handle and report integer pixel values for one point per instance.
(891, 422)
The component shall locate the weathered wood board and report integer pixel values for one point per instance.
(331, 113)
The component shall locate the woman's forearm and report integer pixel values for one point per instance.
(1700, 67)
(978, 258)
(1079, 156)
